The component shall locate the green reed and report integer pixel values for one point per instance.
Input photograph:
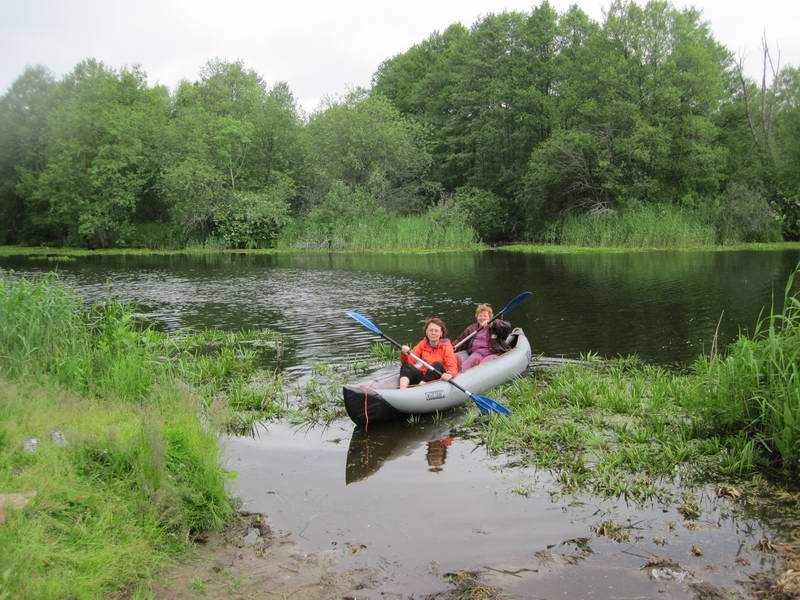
(381, 232)
(755, 387)
(648, 226)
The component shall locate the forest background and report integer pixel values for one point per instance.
(542, 126)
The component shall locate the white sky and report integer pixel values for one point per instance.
(320, 48)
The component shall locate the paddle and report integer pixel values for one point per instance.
(520, 298)
(484, 404)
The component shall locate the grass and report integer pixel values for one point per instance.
(381, 232)
(138, 471)
(648, 226)
(122, 493)
(571, 249)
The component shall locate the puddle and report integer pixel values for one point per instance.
(413, 502)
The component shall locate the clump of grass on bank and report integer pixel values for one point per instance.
(119, 488)
(755, 387)
(621, 427)
(648, 226)
(124, 466)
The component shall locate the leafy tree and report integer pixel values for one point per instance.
(230, 134)
(99, 150)
(23, 119)
(486, 213)
(341, 206)
(195, 191)
(364, 142)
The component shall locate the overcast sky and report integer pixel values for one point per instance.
(320, 48)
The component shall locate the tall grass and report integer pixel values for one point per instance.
(374, 232)
(647, 226)
(755, 387)
(139, 471)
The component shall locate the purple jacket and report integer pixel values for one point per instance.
(498, 330)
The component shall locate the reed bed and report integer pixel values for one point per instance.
(648, 226)
(381, 232)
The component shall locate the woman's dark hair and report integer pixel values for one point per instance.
(435, 321)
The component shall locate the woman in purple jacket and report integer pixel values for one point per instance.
(488, 341)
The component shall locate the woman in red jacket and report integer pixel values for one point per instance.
(435, 350)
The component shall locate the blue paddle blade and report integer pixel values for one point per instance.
(521, 298)
(488, 405)
(481, 405)
(364, 321)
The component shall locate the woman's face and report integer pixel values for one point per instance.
(484, 317)
(433, 333)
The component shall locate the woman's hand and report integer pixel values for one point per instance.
(405, 349)
(447, 377)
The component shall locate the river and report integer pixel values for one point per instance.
(414, 501)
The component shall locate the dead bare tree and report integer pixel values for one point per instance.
(761, 124)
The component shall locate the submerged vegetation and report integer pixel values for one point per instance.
(621, 427)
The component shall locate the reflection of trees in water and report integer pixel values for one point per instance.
(436, 454)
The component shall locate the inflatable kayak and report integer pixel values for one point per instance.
(381, 399)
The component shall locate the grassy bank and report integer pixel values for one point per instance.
(621, 427)
(559, 249)
(107, 428)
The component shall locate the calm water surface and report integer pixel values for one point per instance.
(663, 306)
(414, 501)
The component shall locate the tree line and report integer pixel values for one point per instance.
(510, 126)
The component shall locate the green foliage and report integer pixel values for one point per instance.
(254, 219)
(100, 151)
(547, 114)
(364, 143)
(743, 214)
(113, 502)
(23, 119)
(350, 220)
(755, 388)
(491, 216)
(193, 190)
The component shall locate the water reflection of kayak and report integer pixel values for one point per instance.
(368, 452)
(381, 400)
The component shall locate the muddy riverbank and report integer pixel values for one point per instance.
(397, 516)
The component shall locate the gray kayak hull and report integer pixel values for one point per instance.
(382, 400)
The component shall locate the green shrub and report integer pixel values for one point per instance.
(254, 219)
(488, 214)
(742, 214)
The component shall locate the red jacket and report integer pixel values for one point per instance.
(443, 353)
